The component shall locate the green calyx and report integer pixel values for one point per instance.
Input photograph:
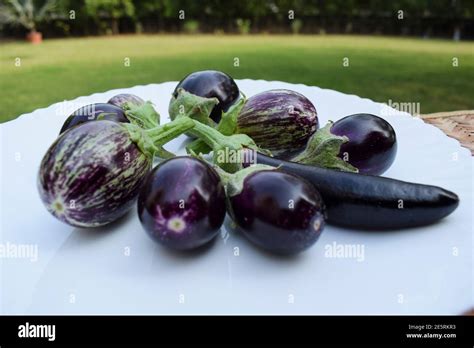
(192, 106)
(199, 108)
(226, 148)
(323, 149)
(234, 183)
(228, 122)
(144, 116)
(226, 126)
(220, 139)
(151, 141)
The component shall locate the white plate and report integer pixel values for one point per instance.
(118, 269)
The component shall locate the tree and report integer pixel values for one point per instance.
(26, 13)
(110, 9)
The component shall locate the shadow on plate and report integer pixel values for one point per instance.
(90, 235)
(186, 255)
(387, 232)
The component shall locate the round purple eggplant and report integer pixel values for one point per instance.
(372, 144)
(92, 173)
(182, 203)
(211, 84)
(120, 100)
(278, 120)
(277, 211)
(93, 112)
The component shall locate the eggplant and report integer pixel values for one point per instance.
(182, 203)
(210, 84)
(371, 145)
(323, 149)
(94, 112)
(277, 211)
(121, 99)
(371, 202)
(129, 109)
(92, 173)
(279, 120)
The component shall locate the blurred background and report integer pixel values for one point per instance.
(401, 51)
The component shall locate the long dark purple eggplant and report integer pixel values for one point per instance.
(372, 202)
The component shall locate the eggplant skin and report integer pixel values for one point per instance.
(279, 120)
(372, 202)
(120, 100)
(182, 203)
(94, 112)
(91, 175)
(372, 144)
(263, 214)
(211, 84)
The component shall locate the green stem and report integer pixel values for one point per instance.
(163, 153)
(162, 134)
(151, 140)
(144, 116)
(233, 183)
(226, 148)
(225, 177)
(193, 106)
(209, 135)
(226, 126)
(225, 145)
(198, 146)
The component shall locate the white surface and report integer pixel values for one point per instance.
(415, 271)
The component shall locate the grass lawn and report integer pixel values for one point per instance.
(400, 69)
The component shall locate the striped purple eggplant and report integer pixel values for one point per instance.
(121, 99)
(278, 120)
(92, 173)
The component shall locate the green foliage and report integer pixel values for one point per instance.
(111, 8)
(144, 8)
(191, 26)
(221, 14)
(296, 25)
(403, 70)
(26, 13)
(243, 26)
